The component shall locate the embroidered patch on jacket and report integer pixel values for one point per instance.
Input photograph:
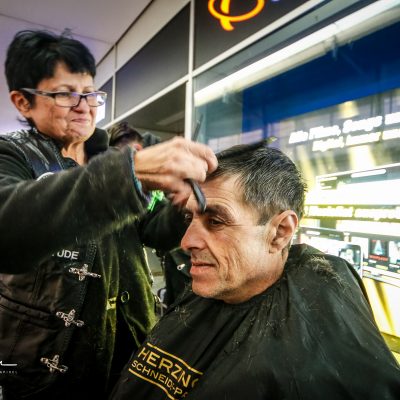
(170, 373)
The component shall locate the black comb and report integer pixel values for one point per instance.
(198, 194)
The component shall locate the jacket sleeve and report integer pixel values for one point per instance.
(162, 228)
(38, 217)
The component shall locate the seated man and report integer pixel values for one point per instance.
(264, 319)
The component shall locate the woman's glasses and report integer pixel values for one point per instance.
(71, 99)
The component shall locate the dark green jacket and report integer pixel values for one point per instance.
(58, 324)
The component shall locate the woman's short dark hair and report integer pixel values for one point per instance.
(34, 54)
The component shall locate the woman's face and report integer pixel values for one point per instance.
(65, 124)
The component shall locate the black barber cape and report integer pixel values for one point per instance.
(309, 336)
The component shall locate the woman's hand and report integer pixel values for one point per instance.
(167, 165)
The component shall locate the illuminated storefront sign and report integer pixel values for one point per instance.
(352, 133)
(226, 18)
(352, 212)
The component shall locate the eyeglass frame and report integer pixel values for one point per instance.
(73, 94)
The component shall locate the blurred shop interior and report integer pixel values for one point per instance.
(322, 78)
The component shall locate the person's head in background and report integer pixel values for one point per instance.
(240, 244)
(46, 76)
(122, 134)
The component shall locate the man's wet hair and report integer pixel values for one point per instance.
(269, 180)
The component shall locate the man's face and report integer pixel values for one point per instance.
(66, 124)
(230, 253)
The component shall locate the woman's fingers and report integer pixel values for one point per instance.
(166, 166)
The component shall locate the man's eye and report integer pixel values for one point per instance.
(187, 218)
(214, 222)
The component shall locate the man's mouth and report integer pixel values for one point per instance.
(200, 267)
(198, 263)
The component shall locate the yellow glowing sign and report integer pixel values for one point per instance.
(226, 19)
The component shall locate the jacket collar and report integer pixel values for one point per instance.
(96, 144)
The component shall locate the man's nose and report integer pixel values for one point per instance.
(193, 237)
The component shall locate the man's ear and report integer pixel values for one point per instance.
(20, 102)
(283, 228)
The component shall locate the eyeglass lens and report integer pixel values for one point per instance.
(72, 99)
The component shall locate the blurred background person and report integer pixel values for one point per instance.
(121, 134)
